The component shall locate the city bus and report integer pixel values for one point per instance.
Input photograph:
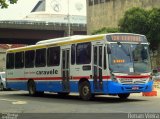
(115, 64)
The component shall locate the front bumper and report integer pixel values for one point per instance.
(117, 88)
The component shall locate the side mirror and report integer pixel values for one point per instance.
(155, 72)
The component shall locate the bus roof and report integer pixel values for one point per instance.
(66, 40)
(60, 39)
(59, 42)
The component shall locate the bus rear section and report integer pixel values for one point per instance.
(110, 64)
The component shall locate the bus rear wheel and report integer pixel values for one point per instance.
(32, 88)
(124, 96)
(85, 91)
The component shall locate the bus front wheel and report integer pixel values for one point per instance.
(1, 87)
(85, 91)
(124, 96)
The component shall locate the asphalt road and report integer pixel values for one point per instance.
(21, 102)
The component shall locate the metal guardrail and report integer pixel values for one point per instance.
(25, 23)
(41, 26)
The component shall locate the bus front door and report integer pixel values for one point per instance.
(97, 68)
(65, 70)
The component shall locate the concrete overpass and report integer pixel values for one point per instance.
(29, 32)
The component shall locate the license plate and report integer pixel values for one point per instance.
(135, 88)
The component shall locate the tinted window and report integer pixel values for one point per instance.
(53, 56)
(40, 58)
(100, 56)
(102, 1)
(96, 1)
(95, 55)
(105, 62)
(83, 53)
(19, 60)
(10, 61)
(90, 2)
(29, 59)
(73, 54)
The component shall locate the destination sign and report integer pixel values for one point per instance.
(126, 38)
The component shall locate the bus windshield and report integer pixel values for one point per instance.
(129, 58)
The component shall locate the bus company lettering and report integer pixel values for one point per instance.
(53, 71)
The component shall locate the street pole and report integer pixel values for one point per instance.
(69, 27)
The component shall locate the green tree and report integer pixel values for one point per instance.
(4, 4)
(134, 21)
(154, 28)
(147, 22)
(106, 30)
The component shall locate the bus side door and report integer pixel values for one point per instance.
(65, 69)
(97, 67)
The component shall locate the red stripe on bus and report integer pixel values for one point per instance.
(56, 78)
(133, 76)
(106, 77)
(41, 78)
(48, 78)
(17, 78)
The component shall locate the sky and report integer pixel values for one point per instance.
(23, 7)
(18, 10)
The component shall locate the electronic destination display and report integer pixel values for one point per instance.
(126, 38)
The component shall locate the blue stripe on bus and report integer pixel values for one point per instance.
(115, 88)
(109, 87)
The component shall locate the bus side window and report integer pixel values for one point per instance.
(40, 57)
(19, 60)
(29, 59)
(53, 56)
(73, 53)
(83, 53)
(10, 61)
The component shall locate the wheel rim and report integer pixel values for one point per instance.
(85, 90)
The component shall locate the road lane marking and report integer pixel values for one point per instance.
(19, 103)
(14, 101)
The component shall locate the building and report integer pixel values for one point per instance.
(48, 19)
(107, 13)
(66, 12)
